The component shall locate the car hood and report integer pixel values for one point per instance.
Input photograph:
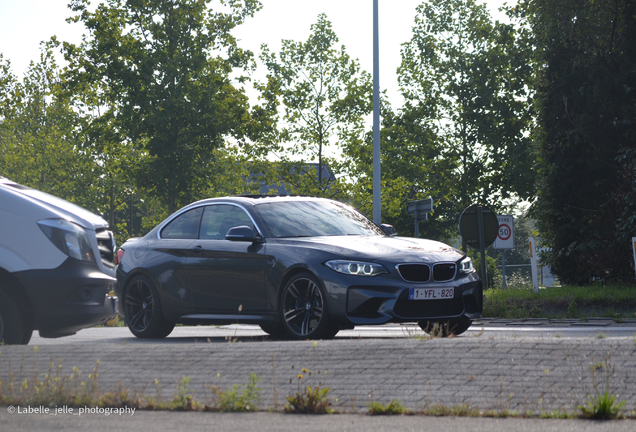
(395, 249)
(59, 206)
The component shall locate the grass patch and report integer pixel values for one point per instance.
(602, 406)
(395, 407)
(615, 302)
(248, 399)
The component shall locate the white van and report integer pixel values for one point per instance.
(57, 266)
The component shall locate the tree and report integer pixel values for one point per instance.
(166, 69)
(414, 166)
(464, 79)
(586, 136)
(38, 131)
(324, 97)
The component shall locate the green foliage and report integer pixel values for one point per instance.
(248, 399)
(183, 396)
(404, 139)
(585, 73)
(395, 407)
(165, 71)
(556, 302)
(322, 97)
(464, 410)
(601, 407)
(310, 400)
(572, 313)
(493, 273)
(463, 78)
(602, 403)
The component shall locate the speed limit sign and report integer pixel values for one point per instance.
(505, 234)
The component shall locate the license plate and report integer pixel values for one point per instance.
(431, 293)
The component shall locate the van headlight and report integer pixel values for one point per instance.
(68, 237)
(358, 268)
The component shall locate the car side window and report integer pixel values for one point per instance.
(218, 219)
(184, 226)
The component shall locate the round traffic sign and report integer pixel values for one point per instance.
(469, 225)
(504, 232)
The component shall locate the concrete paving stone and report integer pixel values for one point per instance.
(353, 378)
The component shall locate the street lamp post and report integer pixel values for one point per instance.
(377, 197)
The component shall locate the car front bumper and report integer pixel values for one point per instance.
(71, 297)
(384, 300)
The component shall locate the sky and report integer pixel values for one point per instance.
(25, 23)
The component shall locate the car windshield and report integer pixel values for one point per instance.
(314, 218)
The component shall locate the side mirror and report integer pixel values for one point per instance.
(388, 230)
(242, 233)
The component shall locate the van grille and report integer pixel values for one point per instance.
(106, 243)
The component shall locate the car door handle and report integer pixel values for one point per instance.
(197, 249)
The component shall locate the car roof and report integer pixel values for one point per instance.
(258, 199)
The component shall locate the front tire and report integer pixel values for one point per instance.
(303, 309)
(445, 328)
(142, 308)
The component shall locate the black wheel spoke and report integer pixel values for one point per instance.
(135, 319)
(294, 292)
(139, 305)
(304, 330)
(293, 314)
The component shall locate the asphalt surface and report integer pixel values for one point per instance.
(266, 422)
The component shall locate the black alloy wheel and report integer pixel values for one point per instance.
(12, 328)
(445, 328)
(143, 310)
(304, 311)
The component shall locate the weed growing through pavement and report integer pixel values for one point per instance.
(308, 399)
(479, 334)
(395, 407)
(184, 397)
(435, 332)
(602, 404)
(238, 399)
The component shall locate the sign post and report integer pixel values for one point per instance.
(420, 210)
(505, 240)
(478, 228)
(634, 247)
(533, 262)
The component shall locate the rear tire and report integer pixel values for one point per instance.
(13, 330)
(445, 328)
(143, 313)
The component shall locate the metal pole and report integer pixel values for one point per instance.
(503, 267)
(482, 247)
(417, 223)
(377, 198)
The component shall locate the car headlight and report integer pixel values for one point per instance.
(358, 268)
(70, 238)
(466, 265)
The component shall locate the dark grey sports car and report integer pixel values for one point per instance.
(301, 268)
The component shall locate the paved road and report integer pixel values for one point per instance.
(265, 422)
(515, 370)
